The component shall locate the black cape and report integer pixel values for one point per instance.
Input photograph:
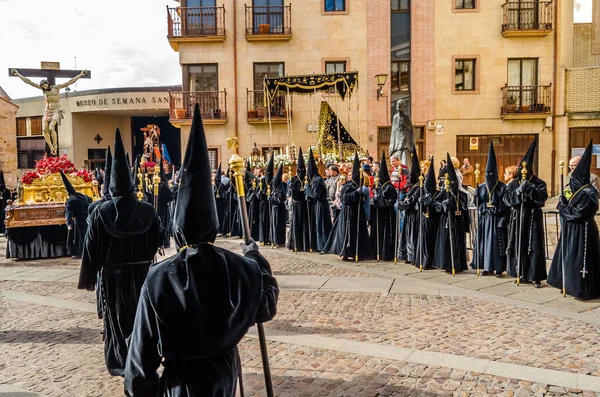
(321, 222)
(194, 309)
(533, 256)
(302, 236)
(491, 228)
(120, 243)
(165, 197)
(429, 229)
(221, 192)
(355, 222)
(264, 227)
(253, 201)
(76, 213)
(446, 206)
(383, 223)
(411, 223)
(278, 215)
(579, 244)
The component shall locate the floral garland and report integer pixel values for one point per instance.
(52, 165)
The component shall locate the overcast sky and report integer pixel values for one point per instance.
(123, 42)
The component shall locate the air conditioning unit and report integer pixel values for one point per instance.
(431, 125)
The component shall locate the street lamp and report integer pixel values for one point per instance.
(381, 79)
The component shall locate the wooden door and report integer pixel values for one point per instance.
(579, 138)
(509, 149)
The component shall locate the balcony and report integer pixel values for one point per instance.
(269, 23)
(527, 18)
(195, 24)
(526, 102)
(257, 114)
(213, 107)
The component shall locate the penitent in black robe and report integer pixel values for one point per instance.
(383, 222)
(4, 197)
(533, 257)
(580, 246)
(194, 309)
(355, 222)
(253, 202)
(264, 213)
(317, 198)
(429, 229)
(302, 236)
(278, 215)
(410, 229)
(164, 198)
(121, 241)
(490, 250)
(446, 206)
(76, 213)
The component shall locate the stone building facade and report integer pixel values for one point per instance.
(8, 142)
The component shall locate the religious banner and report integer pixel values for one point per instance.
(328, 134)
(345, 83)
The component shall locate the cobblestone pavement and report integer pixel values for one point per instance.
(58, 351)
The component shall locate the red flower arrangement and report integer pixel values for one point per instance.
(51, 165)
(85, 175)
(149, 164)
(29, 177)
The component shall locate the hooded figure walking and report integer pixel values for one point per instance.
(265, 207)
(578, 248)
(121, 241)
(526, 227)
(4, 196)
(493, 213)
(220, 191)
(431, 218)
(76, 213)
(451, 236)
(410, 206)
(302, 237)
(105, 184)
(316, 194)
(383, 215)
(278, 209)
(196, 306)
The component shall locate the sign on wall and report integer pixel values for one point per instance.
(474, 143)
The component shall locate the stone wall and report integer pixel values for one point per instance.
(583, 56)
(8, 141)
(583, 86)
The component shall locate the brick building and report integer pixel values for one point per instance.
(8, 144)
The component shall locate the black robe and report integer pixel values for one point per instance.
(429, 229)
(411, 224)
(194, 309)
(4, 197)
(302, 236)
(165, 197)
(278, 215)
(221, 199)
(533, 256)
(355, 222)
(232, 216)
(264, 213)
(253, 201)
(491, 229)
(76, 213)
(579, 244)
(446, 205)
(317, 198)
(120, 243)
(383, 223)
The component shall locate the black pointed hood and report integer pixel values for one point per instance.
(312, 168)
(581, 174)
(70, 189)
(430, 180)
(270, 169)
(120, 178)
(356, 170)
(134, 178)
(491, 168)
(384, 174)
(528, 159)
(301, 168)
(2, 183)
(218, 176)
(107, 169)
(451, 171)
(278, 180)
(415, 167)
(128, 161)
(195, 218)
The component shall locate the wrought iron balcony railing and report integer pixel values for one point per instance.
(258, 112)
(213, 104)
(195, 21)
(524, 100)
(532, 16)
(268, 20)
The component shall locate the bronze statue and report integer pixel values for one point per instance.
(52, 111)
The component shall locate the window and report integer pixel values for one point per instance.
(36, 125)
(523, 81)
(400, 76)
(268, 12)
(465, 4)
(400, 5)
(335, 67)
(464, 72)
(29, 150)
(335, 5)
(261, 70)
(21, 126)
(204, 77)
(266, 152)
(213, 157)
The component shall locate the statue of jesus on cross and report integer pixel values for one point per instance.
(52, 112)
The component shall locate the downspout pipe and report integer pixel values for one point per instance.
(554, 96)
(235, 71)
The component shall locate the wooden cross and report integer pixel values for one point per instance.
(50, 71)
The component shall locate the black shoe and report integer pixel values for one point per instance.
(485, 273)
(538, 285)
(498, 275)
(75, 257)
(322, 253)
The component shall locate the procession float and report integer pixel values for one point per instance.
(35, 221)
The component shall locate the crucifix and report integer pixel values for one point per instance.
(50, 71)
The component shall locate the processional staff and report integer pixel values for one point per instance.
(447, 186)
(236, 163)
(476, 243)
(420, 247)
(562, 235)
(520, 248)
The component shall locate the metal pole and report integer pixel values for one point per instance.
(377, 213)
(237, 164)
(447, 186)
(308, 214)
(562, 234)
(519, 248)
(341, 152)
(358, 215)
(420, 245)
(476, 245)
